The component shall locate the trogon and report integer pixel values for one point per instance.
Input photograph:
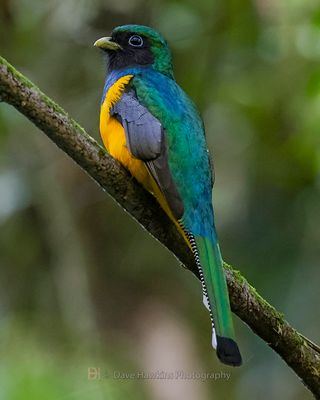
(152, 127)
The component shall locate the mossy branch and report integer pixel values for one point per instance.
(297, 351)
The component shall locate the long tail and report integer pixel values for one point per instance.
(216, 298)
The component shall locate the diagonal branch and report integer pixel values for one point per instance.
(298, 352)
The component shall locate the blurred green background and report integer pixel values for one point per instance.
(82, 285)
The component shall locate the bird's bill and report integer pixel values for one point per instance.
(106, 43)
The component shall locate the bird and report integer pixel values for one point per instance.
(153, 128)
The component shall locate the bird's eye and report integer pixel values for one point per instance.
(136, 41)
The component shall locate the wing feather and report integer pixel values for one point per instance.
(146, 141)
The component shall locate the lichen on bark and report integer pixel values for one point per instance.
(298, 352)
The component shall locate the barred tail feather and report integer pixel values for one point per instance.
(216, 298)
(214, 335)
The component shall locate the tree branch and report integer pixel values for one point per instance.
(297, 351)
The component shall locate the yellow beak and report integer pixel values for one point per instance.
(106, 43)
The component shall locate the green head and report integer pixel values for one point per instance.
(136, 45)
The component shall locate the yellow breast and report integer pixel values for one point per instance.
(114, 140)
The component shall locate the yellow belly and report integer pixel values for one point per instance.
(113, 135)
(114, 140)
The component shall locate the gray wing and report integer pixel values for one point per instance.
(146, 141)
(143, 131)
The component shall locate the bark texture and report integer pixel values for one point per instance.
(298, 352)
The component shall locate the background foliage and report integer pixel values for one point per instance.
(82, 285)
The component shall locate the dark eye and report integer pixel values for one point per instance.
(136, 41)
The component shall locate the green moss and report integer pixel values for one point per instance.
(269, 318)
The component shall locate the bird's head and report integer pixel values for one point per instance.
(136, 45)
